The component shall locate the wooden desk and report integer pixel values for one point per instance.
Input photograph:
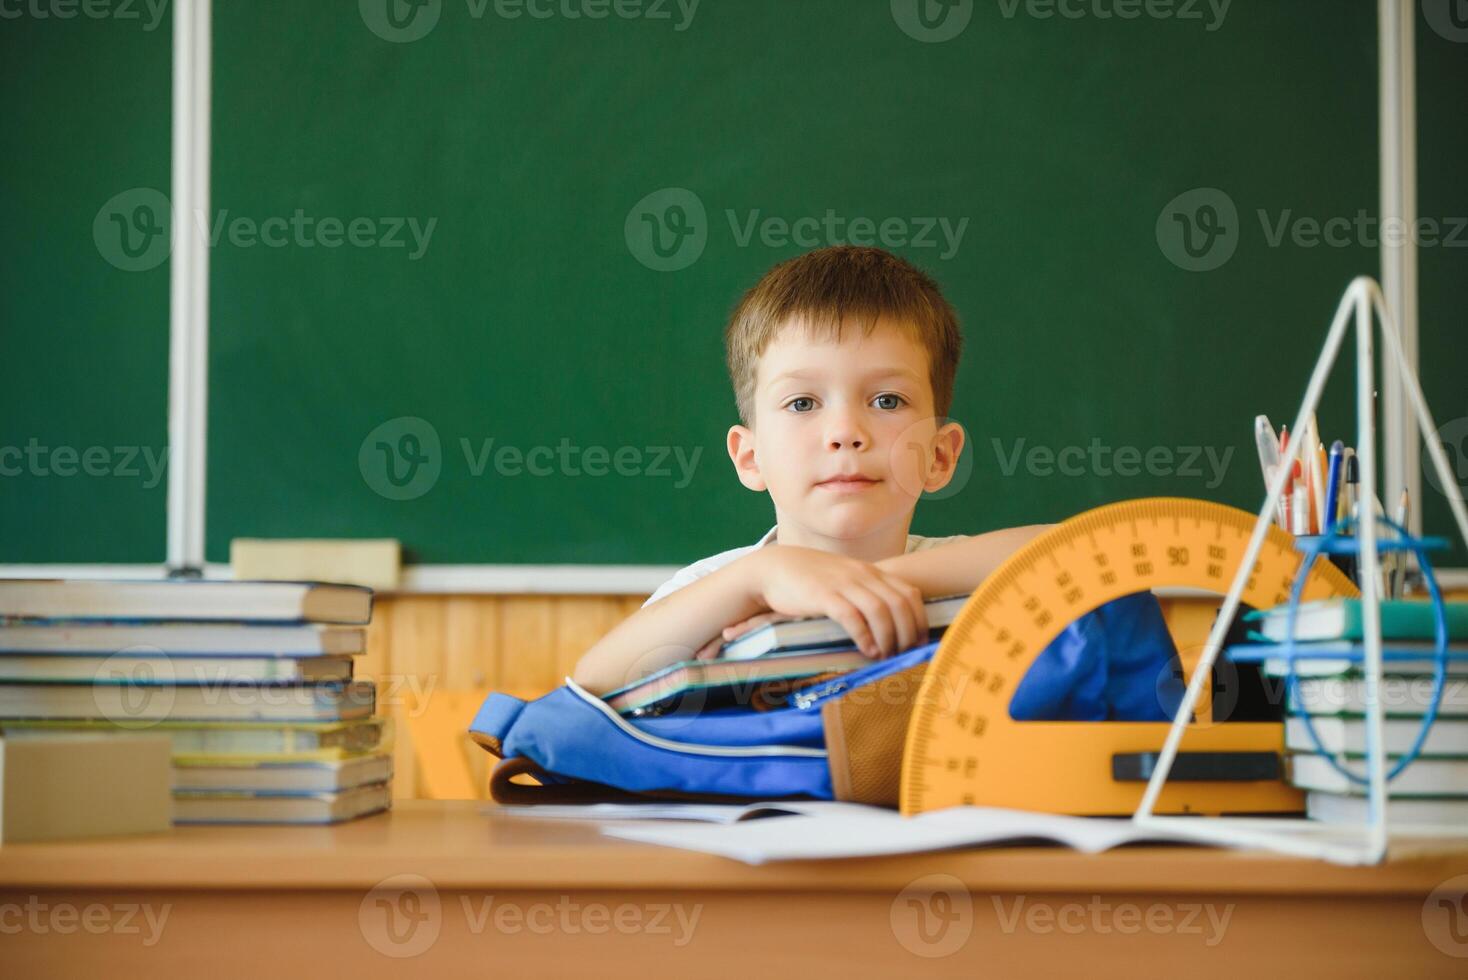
(492, 894)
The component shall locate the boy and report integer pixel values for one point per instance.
(843, 362)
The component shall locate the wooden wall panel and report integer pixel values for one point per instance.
(421, 645)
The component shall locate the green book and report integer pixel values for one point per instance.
(1340, 619)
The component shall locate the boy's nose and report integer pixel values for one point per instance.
(846, 432)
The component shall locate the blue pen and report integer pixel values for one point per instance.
(1332, 485)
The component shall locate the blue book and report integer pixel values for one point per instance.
(1340, 619)
(1332, 657)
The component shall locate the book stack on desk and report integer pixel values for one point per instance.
(252, 681)
(1331, 694)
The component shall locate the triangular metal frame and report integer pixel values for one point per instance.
(1343, 844)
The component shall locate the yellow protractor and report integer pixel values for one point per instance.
(963, 747)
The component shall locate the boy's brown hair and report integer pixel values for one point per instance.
(824, 288)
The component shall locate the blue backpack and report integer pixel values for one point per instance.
(1115, 663)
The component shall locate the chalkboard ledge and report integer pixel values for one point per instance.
(422, 579)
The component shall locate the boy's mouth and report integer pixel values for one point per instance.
(848, 483)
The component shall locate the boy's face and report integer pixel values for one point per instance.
(844, 435)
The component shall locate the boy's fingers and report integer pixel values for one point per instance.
(913, 596)
(709, 650)
(752, 623)
(852, 622)
(878, 616)
(903, 617)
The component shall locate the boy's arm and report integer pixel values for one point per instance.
(882, 613)
(962, 566)
(669, 630)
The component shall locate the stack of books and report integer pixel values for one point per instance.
(252, 681)
(765, 668)
(1331, 692)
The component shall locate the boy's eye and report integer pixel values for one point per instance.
(801, 404)
(888, 401)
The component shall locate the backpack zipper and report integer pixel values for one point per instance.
(690, 747)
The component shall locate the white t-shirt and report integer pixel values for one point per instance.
(713, 563)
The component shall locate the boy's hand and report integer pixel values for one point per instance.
(882, 613)
(714, 647)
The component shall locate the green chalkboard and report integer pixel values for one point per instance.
(472, 263)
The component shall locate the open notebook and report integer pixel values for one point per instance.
(779, 830)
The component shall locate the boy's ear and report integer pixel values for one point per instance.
(741, 454)
(947, 447)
